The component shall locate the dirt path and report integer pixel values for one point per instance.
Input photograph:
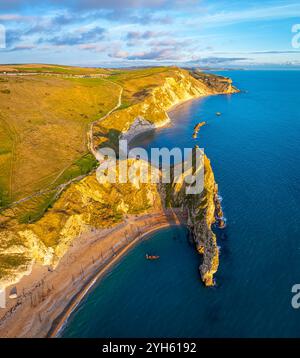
(14, 139)
(91, 130)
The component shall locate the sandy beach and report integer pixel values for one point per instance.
(46, 297)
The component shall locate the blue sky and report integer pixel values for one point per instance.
(212, 33)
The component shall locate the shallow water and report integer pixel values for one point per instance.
(254, 151)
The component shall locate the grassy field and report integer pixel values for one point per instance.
(138, 83)
(54, 69)
(44, 122)
(43, 129)
(6, 159)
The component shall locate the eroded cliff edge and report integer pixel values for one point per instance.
(87, 206)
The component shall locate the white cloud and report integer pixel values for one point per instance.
(15, 17)
(250, 14)
(119, 54)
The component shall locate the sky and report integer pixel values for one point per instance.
(112, 33)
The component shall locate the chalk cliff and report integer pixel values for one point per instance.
(202, 211)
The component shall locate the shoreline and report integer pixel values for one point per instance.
(160, 125)
(168, 121)
(59, 327)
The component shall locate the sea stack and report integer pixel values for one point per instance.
(197, 128)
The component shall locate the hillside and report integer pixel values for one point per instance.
(45, 114)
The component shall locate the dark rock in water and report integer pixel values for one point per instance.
(197, 128)
(218, 209)
(221, 224)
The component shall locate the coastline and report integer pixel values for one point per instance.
(47, 317)
(58, 328)
(131, 135)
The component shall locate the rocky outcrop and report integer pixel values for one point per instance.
(201, 210)
(197, 128)
(219, 212)
(217, 84)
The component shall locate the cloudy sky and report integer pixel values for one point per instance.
(216, 33)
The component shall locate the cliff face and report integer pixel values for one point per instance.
(87, 206)
(84, 207)
(217, 84)
(202, 212)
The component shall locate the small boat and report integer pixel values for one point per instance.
(152, 257)
(218, 113)
(13, 293)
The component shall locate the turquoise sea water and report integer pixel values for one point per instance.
(254, 147)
